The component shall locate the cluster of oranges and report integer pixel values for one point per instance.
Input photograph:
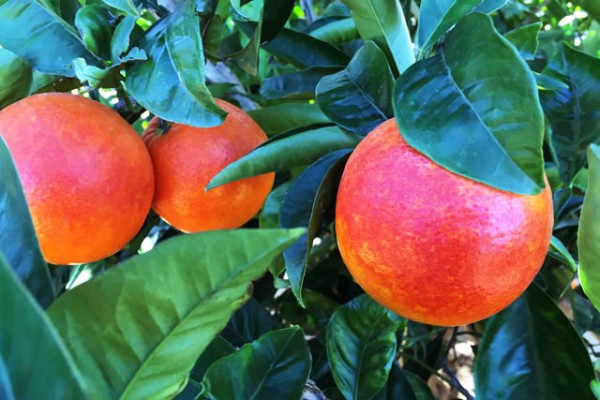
(90, 180)
(428, 244)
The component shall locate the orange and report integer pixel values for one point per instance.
(430, 245)
(86, 174)
(186, 158)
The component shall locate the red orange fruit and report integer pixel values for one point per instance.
(430, 245)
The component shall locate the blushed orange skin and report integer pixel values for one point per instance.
(186, 158)
(86, 174)
(430, 245)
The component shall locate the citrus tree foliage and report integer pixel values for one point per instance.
(504, 92)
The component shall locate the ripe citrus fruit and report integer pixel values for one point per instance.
(86, 174)
(430, 245)
(186, 158)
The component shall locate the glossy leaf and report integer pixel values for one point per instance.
(544, 82)
(121, 39)
(361, 347)
(531, 350)
(15, 78)
(295, 85)
(171, 82)
(588, 235)
(307, 202)
(525, 39)
(574, 113)
(34, 362)
(26, 27)
(286, 151)
(559, 250)
(404, 385)
(437, 16)
(93, 23)
(269, 214)
(336, 32)
(275, 366)
(216, 350)
(300, 49)
(18, 242)
(284, 116)
(127, 6)
(358, 98)
(154, 314)
(248, 324)
(383, 22)
(463, 113)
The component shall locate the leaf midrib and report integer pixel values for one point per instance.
(271, 366)
(183, 321)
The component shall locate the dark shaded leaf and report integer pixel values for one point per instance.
(248, 324)
(216, 350)
(93, 23)
(463, 112)
(358, 98)
(154, 314)
(288, 150)
(574, 113)
(361, 347)
(336, 32)
(34, 362)
(18, 242)
(171, 83)
(295, 85)
(300, 49)
(531, 350)
(269, 214)
(276, 366)
(306, 204)
(383, 22)
(284, 116)
(404, 385)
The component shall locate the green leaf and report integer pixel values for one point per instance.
(216, 350)
(171, 82)
(531, 350)
(465, 112)
(274, 16)
(248, 324)
(559, 251)
(358, 98)
(489, 6)
(295, 85)
(336, 32)
(300, 49)
(275, 366)
(269, 214)
(18, 242)
(437, 16)
(383, 22)
(574, 113)
(127, 6)
(361, 347)
(15, 78)
(308, 203)
(93, 23)
(34, 363)
(404, 385)
(588, 235)
(27, 26)
(154, 314)
(544, 82)
(284, 116)
(525, 39)
(288, 150)
(121, 39)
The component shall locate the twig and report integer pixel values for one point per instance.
(455, 383)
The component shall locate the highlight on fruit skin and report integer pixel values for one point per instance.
(430, 245)
(186, 158)
(86, 174)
